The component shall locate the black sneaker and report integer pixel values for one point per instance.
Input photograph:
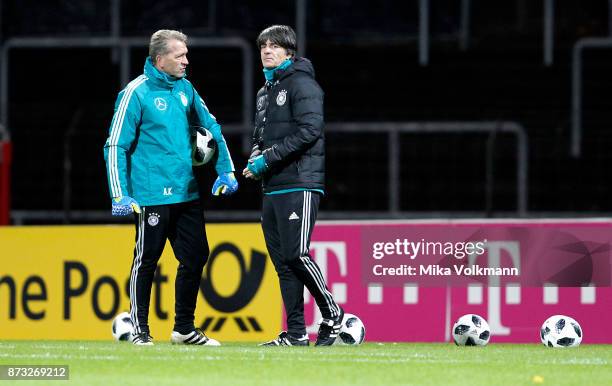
(329, 329)
(142, 339)
(284, 339)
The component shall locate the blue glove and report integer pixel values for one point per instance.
(123, 206)
(257, 165)
(225, 184)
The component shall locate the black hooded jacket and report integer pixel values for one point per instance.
(289, 129)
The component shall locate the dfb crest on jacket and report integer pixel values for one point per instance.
(281, 98)
(290, 132)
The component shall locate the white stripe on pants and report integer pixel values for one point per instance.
(135, 266)
(312, 268)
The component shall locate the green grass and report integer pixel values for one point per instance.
(110, 363)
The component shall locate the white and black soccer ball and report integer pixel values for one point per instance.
(561, 331)
(122, 327)
(471, 330)
(352, 331)
(204, 147)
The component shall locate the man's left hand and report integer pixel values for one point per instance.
(226, 184)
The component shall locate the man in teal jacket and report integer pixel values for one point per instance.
(149, 168)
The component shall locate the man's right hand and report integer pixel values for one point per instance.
(125, 205)
(256, 167)
(246, 172)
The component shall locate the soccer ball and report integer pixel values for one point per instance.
(352, 331)
(561, 331)
(203, 148)
(122, 327)
(471, 330)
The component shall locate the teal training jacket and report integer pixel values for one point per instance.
(148, 150)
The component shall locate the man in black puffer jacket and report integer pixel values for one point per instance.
(289, 156)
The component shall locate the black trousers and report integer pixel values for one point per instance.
(183, 224)
(287, 222)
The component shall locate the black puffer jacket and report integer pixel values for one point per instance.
(289, 129)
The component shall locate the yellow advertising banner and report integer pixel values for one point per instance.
(69, 282)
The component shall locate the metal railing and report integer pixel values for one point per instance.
(121, 47)
(576, 114)
(393, 130)
(125, 45)
(464, 29)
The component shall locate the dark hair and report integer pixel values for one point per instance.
(283, 35)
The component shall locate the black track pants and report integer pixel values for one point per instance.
(182, 224)
(287, 222)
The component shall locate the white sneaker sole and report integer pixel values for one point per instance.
(178, 338)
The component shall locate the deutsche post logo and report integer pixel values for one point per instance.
(250, 281)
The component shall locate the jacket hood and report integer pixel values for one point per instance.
(159, 77)
(299, 65)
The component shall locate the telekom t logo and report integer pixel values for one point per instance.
(321, 252)
(513, 290)
(494, 249)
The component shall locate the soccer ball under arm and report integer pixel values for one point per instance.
(203, 147)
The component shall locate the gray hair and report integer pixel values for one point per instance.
(159, 42)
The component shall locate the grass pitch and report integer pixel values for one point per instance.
(111, 363)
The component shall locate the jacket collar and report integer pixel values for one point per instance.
(298, 65)
(270, 73)
(159, 77)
